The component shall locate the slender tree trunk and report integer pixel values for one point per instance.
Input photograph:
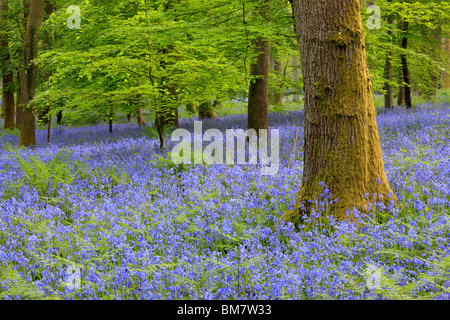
(342, 146)
(405, 68)
(8, 104)
(277, 93)
(43, 115)
(401, 91)
(140, 118)
(29, 72)
(258, 99)
(1, 90)
(295, 77)
(59, 116)
(110, 121)
(49, 127)
(18, 109)
(445, 76)
(434, 72)
(389, 94)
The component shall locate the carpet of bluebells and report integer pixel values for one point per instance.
(94, 215)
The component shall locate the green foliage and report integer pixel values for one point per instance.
(429, 22)
(17, 285)
(5, 133)
(47, 178)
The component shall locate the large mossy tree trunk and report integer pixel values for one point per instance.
(29, 72)
(341, 146)
(8, 104)
(405, 68)
(258, 95)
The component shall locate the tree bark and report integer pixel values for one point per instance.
(401, 91)
(19, 110)
(341, 146)
(258, 99)
(295, 77)
(389, 94)
(59, 116)
(446, 78)
(43, 114)
(8, 104)
(277, 93)
(110, 120)
(434, 72)
(140, 118)
(29, 72)
(405, 68)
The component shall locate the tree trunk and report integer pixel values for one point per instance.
(8, 104)
(28, 75)
(434, 72)
(18, 109)
(389, 94)
(258, 99)
(277, 93)
(341, 146)
(295, 77)
(205, 111)
(59, 117)
(43, 115)
(110, 121)
(405, 69)
(140, 118)
(401, 91)
(445, 76)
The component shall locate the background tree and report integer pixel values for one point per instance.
(7, 76)
(29, 72)
(389, 93)
(258, 94)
